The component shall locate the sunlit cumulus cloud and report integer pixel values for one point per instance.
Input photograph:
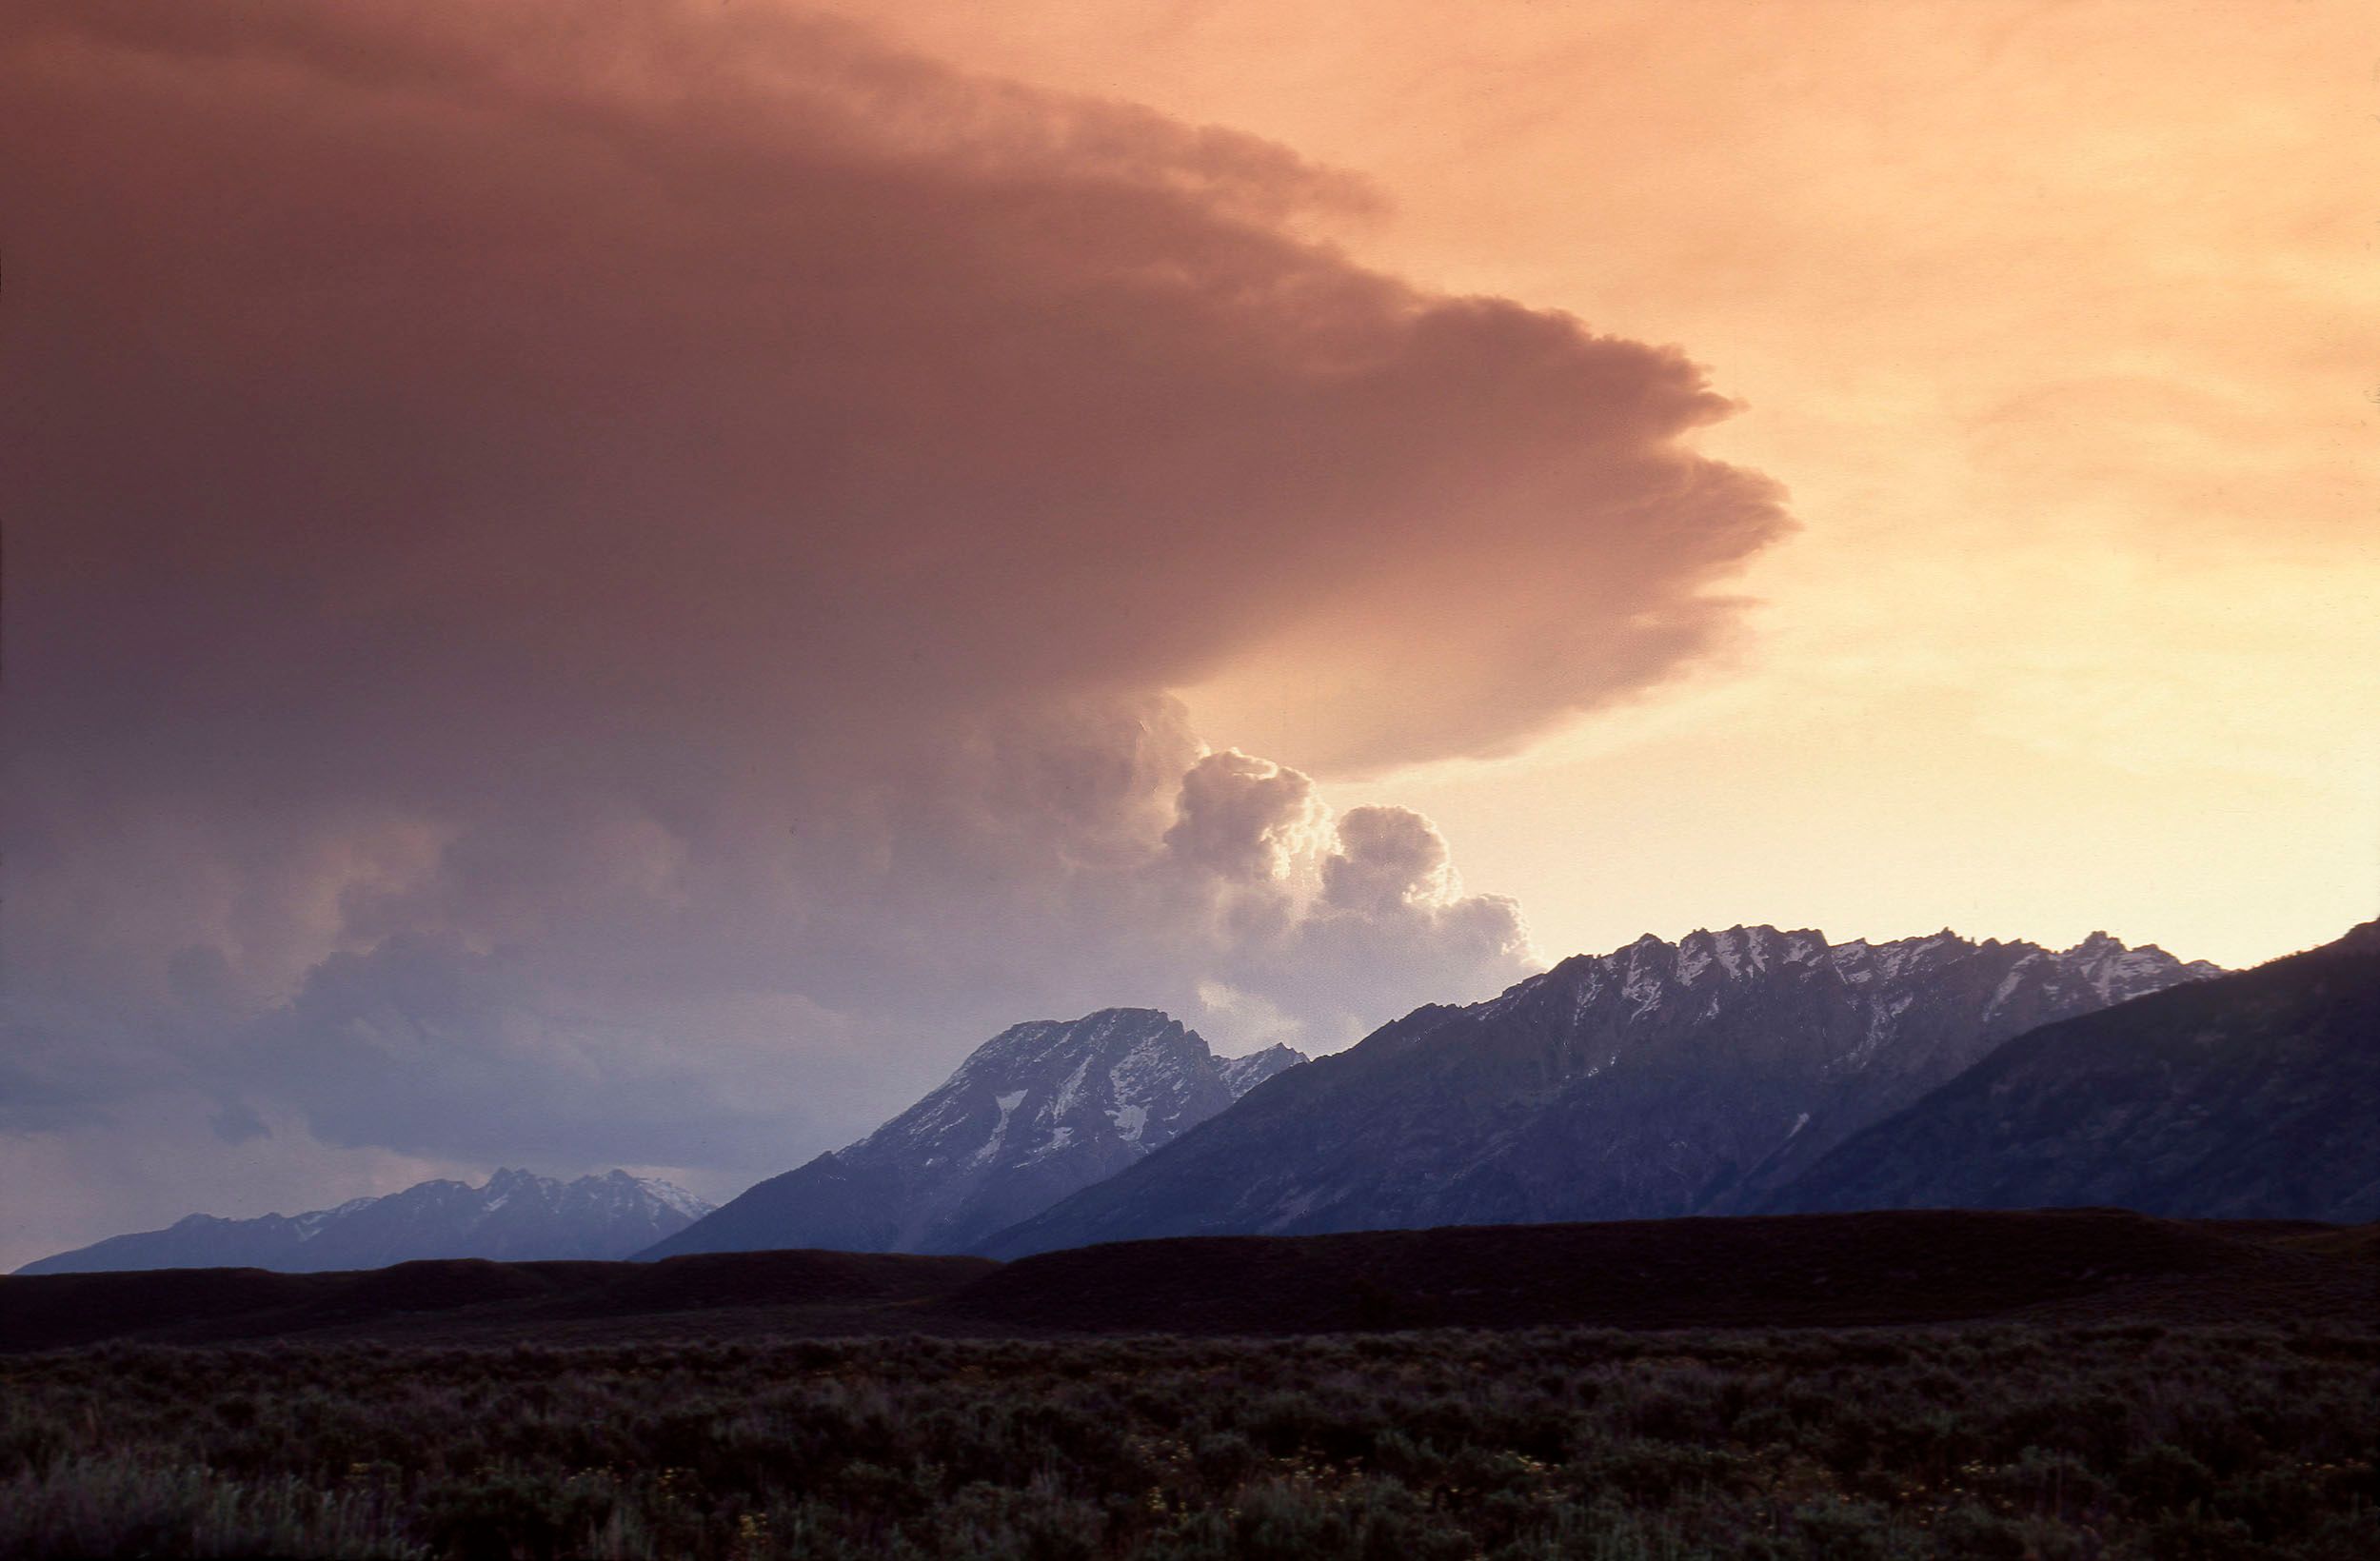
(601, 583)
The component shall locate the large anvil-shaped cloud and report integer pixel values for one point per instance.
(637, 502)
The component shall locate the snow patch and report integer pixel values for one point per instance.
(1007, 1104)
(1643, 986)
(1882, 1019)
(1150, 1071)
(1692, 962)
(315, 1222)
(674, 1197)
(2009, 983)
(1069, 1091)
(1589, 988)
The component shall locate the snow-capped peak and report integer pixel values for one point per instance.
(672, 1196)
(515, 1216)
(1655, 985)
(2117, 972)
(1038, 1111)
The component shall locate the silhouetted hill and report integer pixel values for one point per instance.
(1839, 1271)
(1816, 1270)
(2255, 1094)
(824, 1292)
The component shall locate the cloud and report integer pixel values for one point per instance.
(31, 1102)
(1243, 818)
(237, 1123)
(611, 583)
(1237, 915)
(1389, 859)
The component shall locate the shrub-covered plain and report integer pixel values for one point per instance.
(1991, 1442)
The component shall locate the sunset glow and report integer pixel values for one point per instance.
(623, 590)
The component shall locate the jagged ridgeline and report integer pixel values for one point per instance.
(1039, 1111)
(2252, 1097)
(515, 1217)
(1658, 1079)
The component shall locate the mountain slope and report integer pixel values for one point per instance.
(1036, 1113)
(2255, 1096)
(1656, 1081)
(515, 1217)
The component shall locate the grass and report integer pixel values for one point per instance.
(2008, 1441)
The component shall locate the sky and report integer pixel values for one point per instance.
(621, 587)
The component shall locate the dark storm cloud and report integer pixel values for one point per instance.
(32, 1103)
(236, 1122)
(622, 550)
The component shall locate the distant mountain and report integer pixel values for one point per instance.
(1038, 1111)
(1656, 1081)
(515, 1217)
(2257, 1095)
(1242, 1074)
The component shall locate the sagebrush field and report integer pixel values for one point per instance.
(2000, 1440)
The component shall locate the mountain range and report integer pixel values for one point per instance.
(1658, 1079)
(1744, 1072)
(1039, 1111)
(514, 1217)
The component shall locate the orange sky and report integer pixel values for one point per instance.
(2056, 321)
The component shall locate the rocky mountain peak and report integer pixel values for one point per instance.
(1048, 1086)
(1040, 1110)
(2117, 972)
